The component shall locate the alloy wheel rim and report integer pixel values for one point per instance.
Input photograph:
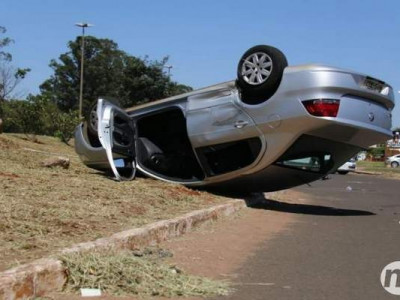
(257, 68)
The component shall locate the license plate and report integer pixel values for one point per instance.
(373, 84)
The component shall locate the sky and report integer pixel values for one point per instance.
(205, 39)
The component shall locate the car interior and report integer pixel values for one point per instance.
(163, 146)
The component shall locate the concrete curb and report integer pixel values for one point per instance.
(367, 172)
(46, 275)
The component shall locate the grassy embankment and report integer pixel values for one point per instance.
(379, 167)
(45, 209)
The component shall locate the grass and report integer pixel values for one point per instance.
(44, 209)
(123, 273)
(380, 167)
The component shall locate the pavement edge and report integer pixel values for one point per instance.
(46, 275)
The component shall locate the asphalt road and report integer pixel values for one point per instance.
(335, 249)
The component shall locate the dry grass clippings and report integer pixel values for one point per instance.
(124, 273)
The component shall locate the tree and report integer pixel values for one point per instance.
(10, 77)
(108, 71)
(4, 56)
(3, 43)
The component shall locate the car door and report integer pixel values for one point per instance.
(224, 137)
(117, 134)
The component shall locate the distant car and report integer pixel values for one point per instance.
(274, 127)
(393, 161)
(362, 156)
(347, 167)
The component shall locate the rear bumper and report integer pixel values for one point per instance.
(315, 81)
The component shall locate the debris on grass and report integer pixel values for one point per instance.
(59, 161)
(126, 273)
(90, 292)
(152, 252)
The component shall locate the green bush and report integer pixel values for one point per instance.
(66, 123)
(377, 152)
(38, 115)
(23, 117)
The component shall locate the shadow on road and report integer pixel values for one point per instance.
(306, 209)
(258, 201)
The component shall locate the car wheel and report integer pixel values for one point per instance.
(343, 172)
(394, 164)
(91, 116)
(259, 73)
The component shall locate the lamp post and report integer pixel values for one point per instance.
(169, 67)
(83, 26)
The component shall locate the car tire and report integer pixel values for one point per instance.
(343, 172)
(394, 164)
(91, 116)
(259, 73)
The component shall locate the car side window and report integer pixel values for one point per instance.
(313, 163)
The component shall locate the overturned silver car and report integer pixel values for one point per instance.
(274, 127)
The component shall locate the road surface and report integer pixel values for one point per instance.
(335, 247)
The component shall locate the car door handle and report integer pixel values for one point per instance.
(240, 124)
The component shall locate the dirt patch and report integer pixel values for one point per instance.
(44, 209)
(6, 143)
(8, 175)
(183, 190)
(216, 251)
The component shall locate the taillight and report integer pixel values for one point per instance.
(322, 107)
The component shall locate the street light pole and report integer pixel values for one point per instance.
(83, 26)
(169, 67)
